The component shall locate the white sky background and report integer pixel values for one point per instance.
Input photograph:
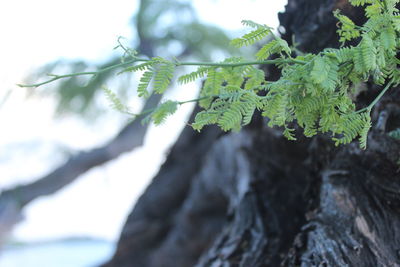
(36, 32)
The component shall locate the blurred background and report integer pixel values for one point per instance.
(59, 204)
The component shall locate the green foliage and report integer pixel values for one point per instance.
(273, 47)
(193, 76)
(115, 101)
(325, 72)
(353, 125)
(361, 2)
(256, 77)
(250, 38)
(155, 35)
(239, 112)
(145, 82)
(164, 110)
(230, 111)
(314, 90)
(211, 86)
(140, 67)
(348, 30)
(163, 77)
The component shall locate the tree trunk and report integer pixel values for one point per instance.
(255, 199)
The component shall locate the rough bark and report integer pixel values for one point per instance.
(255, 199)
(165, 208)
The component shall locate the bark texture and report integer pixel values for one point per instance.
(255, 199)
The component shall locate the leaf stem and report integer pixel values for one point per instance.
(256, 62)
(150, 110)
(373, 103)
(58, 77)
(210, 64)
(196, 99)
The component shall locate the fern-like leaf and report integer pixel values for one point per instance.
(232, 118)
(388, 39)
(164, 110)
(276, 109)
(267, 50)
(255, 78)
(240, 112)
(163, 76)
(368, 53)
(204, 118)
(288, 133)
(115, 101)
(211, 86)
(140, 67)
(347, 30)
(191, 77)
(251, 37)
(275, 46)
(343, 54)
(360, 2)
(352, 125)
(325, 73)
(144, 83)
(250, 102)
(253, 24)
(373, 10)
(365, 129)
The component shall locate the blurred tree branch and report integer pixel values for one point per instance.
(12, 201)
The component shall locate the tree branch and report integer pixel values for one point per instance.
(130, 137)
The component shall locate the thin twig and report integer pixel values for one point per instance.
(210, 64)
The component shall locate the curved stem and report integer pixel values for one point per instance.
(58, 77)
(150, 110)
(210, 64)
(196, 99)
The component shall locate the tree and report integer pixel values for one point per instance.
(254, 198)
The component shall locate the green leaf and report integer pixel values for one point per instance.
(364, 131)
(162, 77)
(164, 110)
(255, 78)
(140, 67)
(253, 24)
(211, 86)
(191, 77)
(388, 38)
(275, 46)
(325, 72)
(144, 83)
(347, 31)
(251, 37)
(368, 53)
(115, 101)
(360, 2)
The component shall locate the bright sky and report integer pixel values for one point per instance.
(36, 32)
